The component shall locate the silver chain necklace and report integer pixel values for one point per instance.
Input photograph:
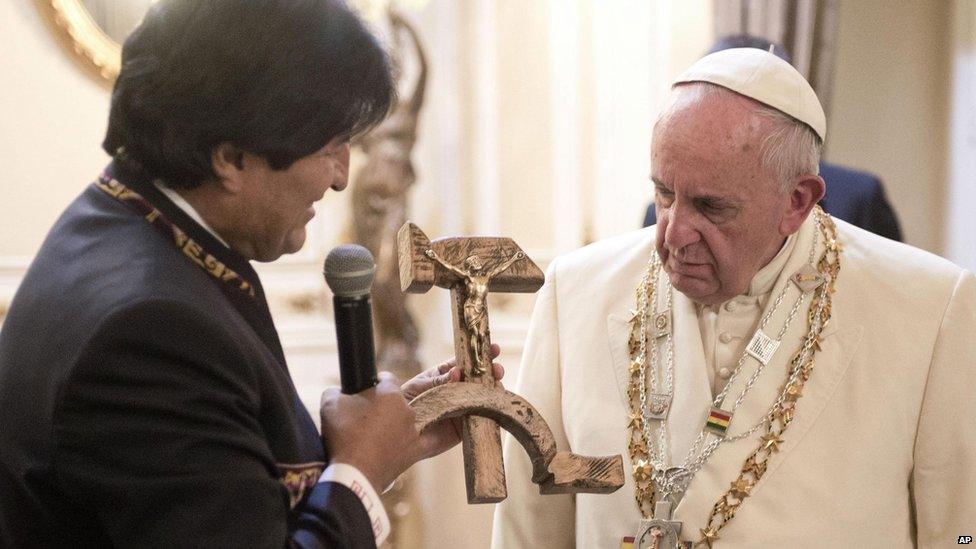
(668, 390)
(671, 483)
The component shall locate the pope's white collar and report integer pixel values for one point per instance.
(763, 282)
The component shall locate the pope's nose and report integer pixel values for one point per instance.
(679, 233)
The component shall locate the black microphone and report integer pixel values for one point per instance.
(349, 271)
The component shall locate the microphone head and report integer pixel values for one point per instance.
(349, 270)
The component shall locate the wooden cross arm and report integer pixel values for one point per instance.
(554, 472)
(418, 272)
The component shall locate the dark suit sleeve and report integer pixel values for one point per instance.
(880, 216)
(157, 432)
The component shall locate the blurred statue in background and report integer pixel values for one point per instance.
(379, 202)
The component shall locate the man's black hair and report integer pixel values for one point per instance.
(276, 78)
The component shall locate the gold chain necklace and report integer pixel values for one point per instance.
(801, 366)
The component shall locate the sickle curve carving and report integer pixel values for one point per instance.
(555, 472)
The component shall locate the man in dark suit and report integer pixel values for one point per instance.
(854, 196)
(144, 396)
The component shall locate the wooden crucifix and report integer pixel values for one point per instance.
(472, 267)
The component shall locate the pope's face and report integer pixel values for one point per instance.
(719, 212)
(279, 203)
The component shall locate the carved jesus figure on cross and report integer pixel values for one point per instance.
(476, 279)
(471, 268)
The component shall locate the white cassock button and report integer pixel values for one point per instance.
(724, 373)
(725, 337)
(730, 306)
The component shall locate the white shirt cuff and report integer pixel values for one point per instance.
(352, 478)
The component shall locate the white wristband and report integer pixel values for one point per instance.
(352, 478)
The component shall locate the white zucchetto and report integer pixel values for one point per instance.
(761, 76)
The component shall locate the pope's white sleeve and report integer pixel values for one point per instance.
(527, 519)
(944, 475)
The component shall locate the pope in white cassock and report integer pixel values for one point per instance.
(773, 377)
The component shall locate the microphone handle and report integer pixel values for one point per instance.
(354, 335)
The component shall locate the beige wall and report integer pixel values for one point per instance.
(960, 202)
(889, 110)
(52, 120)
(526, 125)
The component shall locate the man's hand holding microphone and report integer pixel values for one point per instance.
(369, 424)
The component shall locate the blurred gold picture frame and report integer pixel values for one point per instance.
(102, 54)
(90, 43)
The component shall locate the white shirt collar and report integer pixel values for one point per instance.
(762, 282)
(181, 203)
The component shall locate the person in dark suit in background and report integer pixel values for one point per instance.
(144, 395)
(855, 196)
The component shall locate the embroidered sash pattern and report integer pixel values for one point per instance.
(297, 479)
(190, 248)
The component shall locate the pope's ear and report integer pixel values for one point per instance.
(227, 161)
(807, 190)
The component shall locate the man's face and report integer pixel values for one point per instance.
(276, 205)
(719, 211)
